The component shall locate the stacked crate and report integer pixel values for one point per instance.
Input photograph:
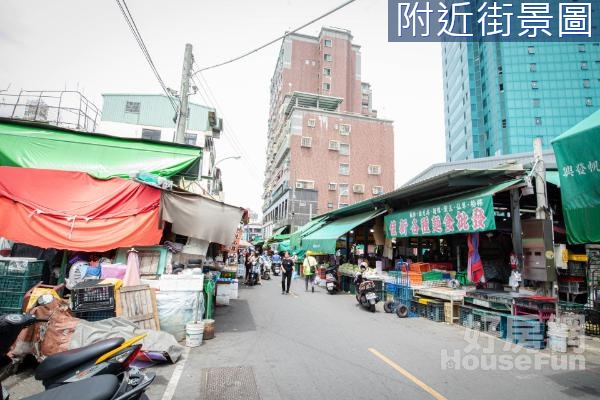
(93, 301)
(17, 276)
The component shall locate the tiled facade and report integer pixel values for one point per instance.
(323, 132)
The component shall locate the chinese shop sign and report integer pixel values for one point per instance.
(461, 215)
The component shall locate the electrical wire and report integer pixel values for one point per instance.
(246, 54)
(138, 37)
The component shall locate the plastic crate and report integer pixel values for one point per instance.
(592, 322)
(418, 309)
(418, 267)
(448, 309)
(433, 276)
(566, 306)
(11, 299)
(10, 310)
(97, 315)
(91, 296)
(526, 332)
(20, 267)
(18, 283)
(435, 311)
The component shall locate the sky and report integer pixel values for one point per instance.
(87, 46)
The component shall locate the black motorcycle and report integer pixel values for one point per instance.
(366, 294)
(276, 268)
(331, 280)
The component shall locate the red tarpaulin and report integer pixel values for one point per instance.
(72, 210)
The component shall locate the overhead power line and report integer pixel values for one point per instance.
(246, 54)
(138, 37)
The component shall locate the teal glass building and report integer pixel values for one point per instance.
(499, 96)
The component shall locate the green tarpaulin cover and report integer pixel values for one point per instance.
(324, 239)
(472, 212)
(283, 246)
(101, 156)
(309, 227)
(578, 158)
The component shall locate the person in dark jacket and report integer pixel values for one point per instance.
(287, 265)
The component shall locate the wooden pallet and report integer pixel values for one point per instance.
(138, 305)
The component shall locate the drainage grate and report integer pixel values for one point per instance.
(230, 384)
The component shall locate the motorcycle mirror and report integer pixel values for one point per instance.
(45, 299)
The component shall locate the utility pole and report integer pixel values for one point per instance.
(183, 95)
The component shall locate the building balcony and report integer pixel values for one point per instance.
(311, 100)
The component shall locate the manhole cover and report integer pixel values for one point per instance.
(230, 384)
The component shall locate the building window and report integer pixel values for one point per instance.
(499, 70)
(530, 50)
(306, 141)
(374, 169)
(190, 138)
(332, 186)
(358, 188)
(334, 145)
(344, 169)
(504, 123)
(326, 71)
(534, 84)
(152, 134)
(538, 120)
(344, 149)
(588, 101)
(584, 65)
(581, 48)
(132, 107)
(501, 86)
(536, 103)
(326, 86)
(345, 129)
(328, 43)
(327, 57)
(586, 83)
(311, 123)
(533, 67)
(343, 189)
(329, 204)
(301, 184)
(377, 190)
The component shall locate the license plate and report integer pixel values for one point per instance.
(330, 285)
(371, 296)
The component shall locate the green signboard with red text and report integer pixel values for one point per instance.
(459, 215)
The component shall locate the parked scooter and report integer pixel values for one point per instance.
(254, 273)
(100, 370)
(331, 280)
(365, 291)
(266, 268)
(276, 268)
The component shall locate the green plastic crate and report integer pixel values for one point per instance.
(10, 310)
(11, 299)
(12, 267)
(18, 283)
(432, 276)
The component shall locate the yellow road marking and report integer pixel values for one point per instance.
(408, 375)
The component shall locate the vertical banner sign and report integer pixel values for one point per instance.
(475, 214)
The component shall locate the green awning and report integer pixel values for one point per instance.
(258, 242)
(553, 178)
(578, 159)
(473, 212)
(324, 239)
(102, 156)
(279, 238)
(284, 246)
(306, 229)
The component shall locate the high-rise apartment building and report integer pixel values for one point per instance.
(499, 96)
(326, 146)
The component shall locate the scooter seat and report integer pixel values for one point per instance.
(101, 387)
(62, 362)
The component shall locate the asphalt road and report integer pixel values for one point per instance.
(318, 346)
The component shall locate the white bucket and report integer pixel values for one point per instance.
(557, 341)
(193, 334)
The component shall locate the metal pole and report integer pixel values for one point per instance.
(183, 99)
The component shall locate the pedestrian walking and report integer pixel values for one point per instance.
(286, 276)
(309, 269)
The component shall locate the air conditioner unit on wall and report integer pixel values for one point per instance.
(358, 188)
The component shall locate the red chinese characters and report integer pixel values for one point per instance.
(478, 218)
(415, 227)
(448, 223)
(436, 223)
(403, 227)
(462, 221)
(425, 225)
(392, 228)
